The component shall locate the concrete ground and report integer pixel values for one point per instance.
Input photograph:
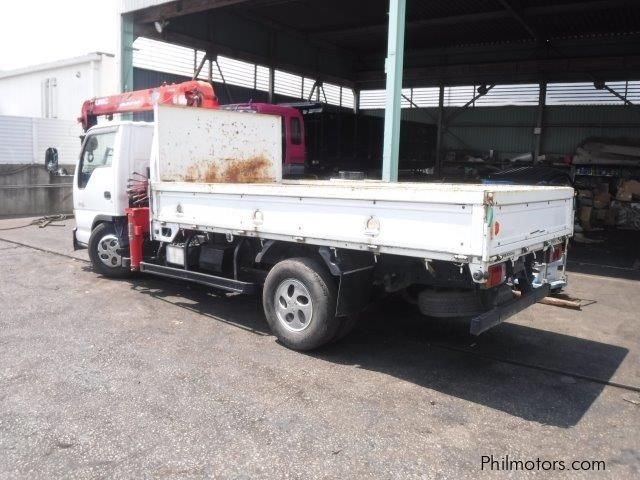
(149, 378)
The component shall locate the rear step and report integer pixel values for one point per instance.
(202, 278)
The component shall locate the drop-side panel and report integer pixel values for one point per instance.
(200, 145)
(428, 230)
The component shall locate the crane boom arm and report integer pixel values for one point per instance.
(192, 93)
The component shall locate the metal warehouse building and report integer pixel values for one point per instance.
(495, 84)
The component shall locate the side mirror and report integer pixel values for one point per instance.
(92, 144)
(51, 160)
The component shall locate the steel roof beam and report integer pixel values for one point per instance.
(216, 48)
(520, 19)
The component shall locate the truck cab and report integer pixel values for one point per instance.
(110, 155)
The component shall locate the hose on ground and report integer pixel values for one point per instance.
(41, 222)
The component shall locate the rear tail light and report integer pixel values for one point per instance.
(555, 253)
(497, 275)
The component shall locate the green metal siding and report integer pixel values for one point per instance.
(568, 126)
(510, 129)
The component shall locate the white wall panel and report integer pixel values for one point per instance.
(24, 140)
(16, 140)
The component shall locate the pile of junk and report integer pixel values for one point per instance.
(607, 181)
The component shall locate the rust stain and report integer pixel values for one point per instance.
(253, 170)
(211, 175)
(192, 174)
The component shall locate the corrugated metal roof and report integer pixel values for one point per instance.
(433, 23)
(346, 40)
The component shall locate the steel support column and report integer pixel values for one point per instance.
(197, 68)
(126, 53)
(538, 132)
(393, 67)
(440, 125)
(224, 82)
(272, 83)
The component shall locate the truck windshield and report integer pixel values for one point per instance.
(97, 152)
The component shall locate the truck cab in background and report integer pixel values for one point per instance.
(294, 152)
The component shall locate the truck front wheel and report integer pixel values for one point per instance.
(105, 252)
(299, 300)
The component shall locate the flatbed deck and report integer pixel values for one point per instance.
(463, 223)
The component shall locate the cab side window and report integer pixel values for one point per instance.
(296, 131)
(97, 152)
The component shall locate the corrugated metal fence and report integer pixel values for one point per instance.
(23, 140)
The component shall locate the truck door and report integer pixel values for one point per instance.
(94, 182)
(295, 152)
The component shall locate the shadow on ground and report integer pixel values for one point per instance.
(395, 341)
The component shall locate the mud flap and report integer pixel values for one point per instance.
(76, 244)
(354, 291)
(355, 273)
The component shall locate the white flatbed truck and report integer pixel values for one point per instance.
(220, 214)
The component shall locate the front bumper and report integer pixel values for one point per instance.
(499, 314)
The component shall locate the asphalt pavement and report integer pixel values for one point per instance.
(147, 378)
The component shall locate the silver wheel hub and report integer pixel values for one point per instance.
(108, 247)
(293, 305)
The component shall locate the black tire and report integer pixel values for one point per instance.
(290, 281)
(449, 312)
(104, 232)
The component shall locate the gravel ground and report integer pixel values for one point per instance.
(147, 378)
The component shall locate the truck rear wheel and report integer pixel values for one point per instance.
(299, 300)
(105, 252)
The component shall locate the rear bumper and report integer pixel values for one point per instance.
(499, 314)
